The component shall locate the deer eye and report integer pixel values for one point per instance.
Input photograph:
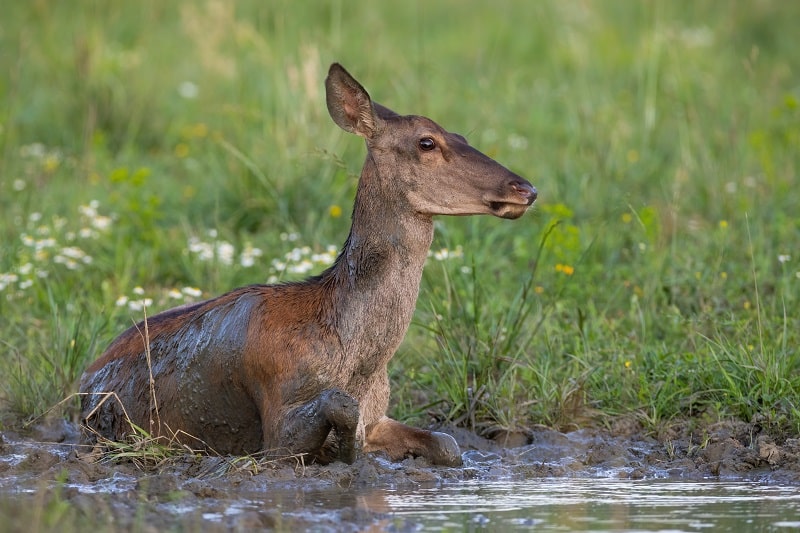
(426, 144)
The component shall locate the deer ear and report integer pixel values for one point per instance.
(349, 103)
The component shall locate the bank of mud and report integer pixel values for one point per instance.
(44, 464)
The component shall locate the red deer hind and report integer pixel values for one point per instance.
(302, 367)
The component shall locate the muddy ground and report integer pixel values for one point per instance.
(44, 466)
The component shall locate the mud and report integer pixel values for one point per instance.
(45, 463)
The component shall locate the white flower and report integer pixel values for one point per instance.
(34, 150)
(175, 294)
(73, 252)
(324, 258)
(45, 243)
(784, 258)
(302, 267)
(225, 251)
(101, 222)
(248, 256)
(89, 211)
(7, 279)
(517, 142)
(138, 305)
(204, 250)
(192, 292)
(298, 253)
(445, 253)
(188, 90)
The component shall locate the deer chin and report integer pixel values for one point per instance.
(509, 210)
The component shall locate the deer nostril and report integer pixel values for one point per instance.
(526, 190)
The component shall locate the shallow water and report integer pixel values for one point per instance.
(540, 504)
(562, 482)
(598, 504)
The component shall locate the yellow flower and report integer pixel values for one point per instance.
(335, 211)
(538, 289)
(181, 150)
(628, 364)
(51, 162)
(565, 269)
(199, 130)
(627, 218)
(723, 224)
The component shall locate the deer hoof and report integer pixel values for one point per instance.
(444, 450)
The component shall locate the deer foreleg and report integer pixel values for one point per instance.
(399, 440)
(325, 427)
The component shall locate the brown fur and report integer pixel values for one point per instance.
(302, 367)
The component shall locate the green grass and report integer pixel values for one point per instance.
(659, 274)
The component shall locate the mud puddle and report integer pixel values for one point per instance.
(43, 466)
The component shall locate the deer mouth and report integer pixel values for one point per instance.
(508, 210)
(515, 204)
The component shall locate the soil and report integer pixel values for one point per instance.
(45, 463)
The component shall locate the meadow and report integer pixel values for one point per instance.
(154, 153)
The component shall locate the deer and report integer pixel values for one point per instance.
(302, 367)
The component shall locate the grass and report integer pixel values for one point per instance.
(162, 152)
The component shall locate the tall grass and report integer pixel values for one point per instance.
(156, 152)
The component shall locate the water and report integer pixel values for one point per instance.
(574, 505)
(580, 504)
(377, 495)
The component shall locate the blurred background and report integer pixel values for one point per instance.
(158, 152)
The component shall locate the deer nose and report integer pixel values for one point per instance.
(526, 190)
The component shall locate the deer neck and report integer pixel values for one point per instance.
(379, 270)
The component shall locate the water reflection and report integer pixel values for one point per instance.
(591, 504)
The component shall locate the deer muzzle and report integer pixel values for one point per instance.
(519, 196)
